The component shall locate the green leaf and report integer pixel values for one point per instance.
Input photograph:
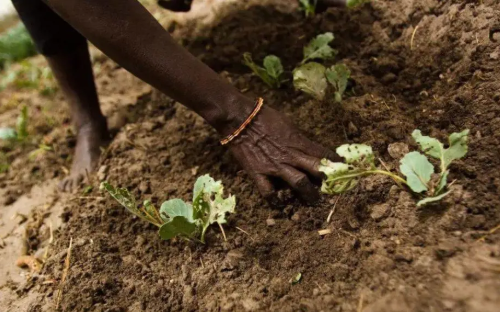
(309, 7)
(351, 4)
(273, 67)
(357, 154)
(432, 147)
(209, 205)
(178, 226)
(127, 200)
(318, 48)
(428, 200)
(340, 177)
(7, 134)
(174, 208)
(270, 74)
(418, 170)
(310, 78)
(443, 181)
(338, 77)
(22, 124)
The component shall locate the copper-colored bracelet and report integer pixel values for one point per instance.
(258, 106)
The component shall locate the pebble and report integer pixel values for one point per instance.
(380, 211)
(270, 222)
(102, 172)
(398, 150)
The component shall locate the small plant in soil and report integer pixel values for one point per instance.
(418, 170)
(313, 78)
(338, 76)
(20, 133)
(308, 6)
(271, 72)
(176, 218)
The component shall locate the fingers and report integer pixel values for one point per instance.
(300, 183)
(309, 164)
(264, 186)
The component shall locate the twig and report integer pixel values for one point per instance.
(65, 273)
(222, 230)
(333, 210)
(493, 230)
(360, 303)
(240, 229)
(413, 37)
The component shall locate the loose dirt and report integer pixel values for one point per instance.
(383, 253)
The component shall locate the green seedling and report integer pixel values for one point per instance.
(308, 6)
(419, 172)
(319, 48)
(337, 76)
(310, 78)
(21, 132)
(15, 45)
(270, 73)
(176, 218)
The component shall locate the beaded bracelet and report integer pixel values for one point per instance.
(258, 106)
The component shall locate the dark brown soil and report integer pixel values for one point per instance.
(384, 254)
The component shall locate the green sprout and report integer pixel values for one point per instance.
(419, 172)
(270, 73)
(176, 218)
(319, 48)
(310, 78)
(337, 76)
(15, 45)
(308, 6)
(21, 132)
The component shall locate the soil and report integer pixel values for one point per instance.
(428, 65)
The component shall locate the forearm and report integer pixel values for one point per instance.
(125, 31)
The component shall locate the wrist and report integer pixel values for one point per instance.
(231, 114)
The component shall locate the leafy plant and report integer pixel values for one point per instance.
(270, 73)
(21, 132)
(337, 76)
(308, 6)
(15, 45)
(419, 172)
(178, 218)
(310, 78)
(319, 48)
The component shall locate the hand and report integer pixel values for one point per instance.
(271, 146)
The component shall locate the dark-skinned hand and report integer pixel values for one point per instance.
(271, 146)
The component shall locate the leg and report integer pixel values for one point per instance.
(67, 54)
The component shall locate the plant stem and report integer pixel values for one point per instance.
(368, 172)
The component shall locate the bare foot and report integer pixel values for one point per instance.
(90, 139)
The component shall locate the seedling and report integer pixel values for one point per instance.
(310, 78)
(337, 76)
(308, 6)
(318, 48)
(419, 172)
(178, 218)
(270, 73)
(15, 45)
(21, 132)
